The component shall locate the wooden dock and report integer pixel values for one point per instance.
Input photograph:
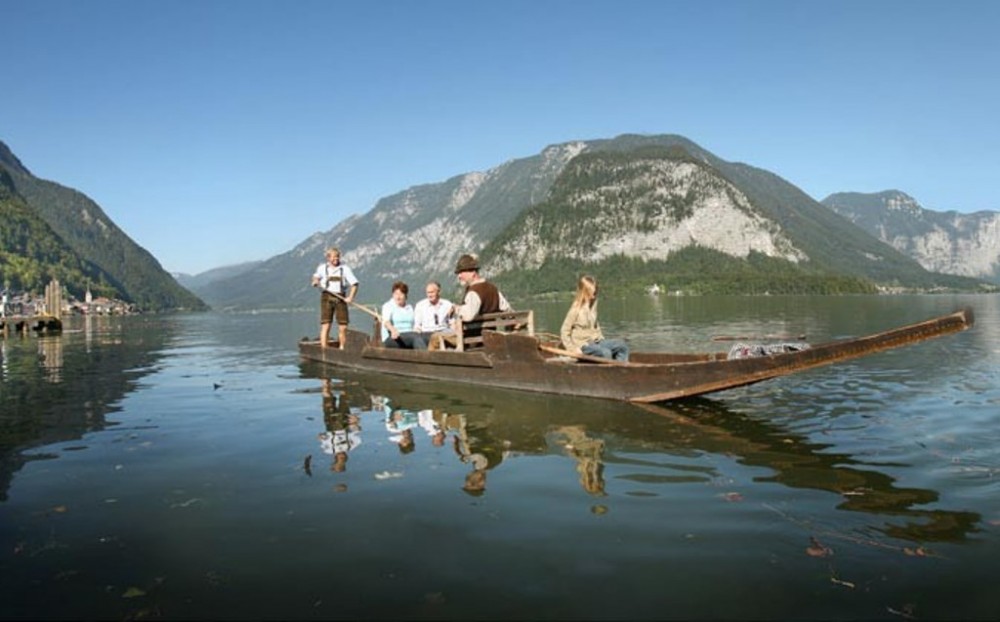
(47, 321)
(21, 324)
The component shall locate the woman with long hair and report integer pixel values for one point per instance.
(581, 333)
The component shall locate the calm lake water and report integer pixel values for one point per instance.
(191, 466)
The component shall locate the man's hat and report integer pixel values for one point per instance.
(466, 262)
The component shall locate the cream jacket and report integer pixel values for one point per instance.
(580, 327)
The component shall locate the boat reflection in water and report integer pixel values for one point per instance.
(488, 427)
(347, 404)
(800, 463)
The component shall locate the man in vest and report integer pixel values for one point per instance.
(481, 297)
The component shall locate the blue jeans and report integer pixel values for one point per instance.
(607, 349)
(411, 341)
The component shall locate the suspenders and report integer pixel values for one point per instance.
(340, 278)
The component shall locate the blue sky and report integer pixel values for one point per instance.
(221, 131)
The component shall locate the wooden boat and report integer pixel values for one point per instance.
(523, 361)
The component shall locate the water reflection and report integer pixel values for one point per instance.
(54, 390)
(350, 406)
(647, 446)
(50, 353)
(798, 462)
(343, 427)
(588, 451)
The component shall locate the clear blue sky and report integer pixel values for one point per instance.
(215, 132)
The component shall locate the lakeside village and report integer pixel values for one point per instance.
(21, 311)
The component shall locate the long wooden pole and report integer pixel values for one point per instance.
(359, 306)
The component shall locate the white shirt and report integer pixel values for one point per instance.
(430, 318)
(425, 418)
(339, 441)
(337, 280)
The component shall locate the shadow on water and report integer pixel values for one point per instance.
(597, 433)
(59, 388)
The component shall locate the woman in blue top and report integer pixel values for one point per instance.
(398, 320)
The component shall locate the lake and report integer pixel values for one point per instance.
(191, 467)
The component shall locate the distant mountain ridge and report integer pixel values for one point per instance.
(947, 242)
(202, 280)
(114, 262)
(415, 234)
(735, 213)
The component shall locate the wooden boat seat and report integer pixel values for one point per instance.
(503, 322)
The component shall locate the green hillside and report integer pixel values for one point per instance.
(31, 254)
(692, 271)
(82, 227)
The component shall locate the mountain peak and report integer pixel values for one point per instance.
(889, 200)
(901, 202)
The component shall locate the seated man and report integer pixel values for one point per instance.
(481, 297)
(433, 313)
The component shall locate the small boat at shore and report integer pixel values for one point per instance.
(524, 361)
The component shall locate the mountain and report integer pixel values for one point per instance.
(415, 234)
(665, 208)
(651, 194)
(948, 242)
(124, 268)
(204, 280)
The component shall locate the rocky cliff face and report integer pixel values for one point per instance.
(948, 242)
(423, 230)
(648, 207)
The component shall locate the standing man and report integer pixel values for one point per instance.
(432, 314)
(339, 287)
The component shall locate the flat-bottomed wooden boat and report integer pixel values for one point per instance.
(521, 361)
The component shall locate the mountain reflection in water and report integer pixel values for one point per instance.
(52, 392)
(492, 426)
